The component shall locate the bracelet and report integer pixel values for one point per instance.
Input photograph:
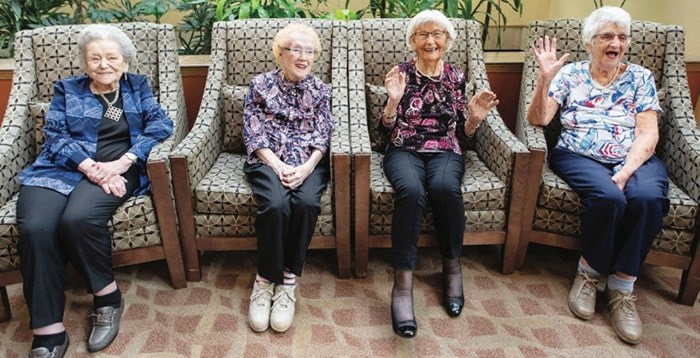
(390, 120)
(466, 127)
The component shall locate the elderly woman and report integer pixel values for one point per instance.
(99, 130)
(427, 112)
(287, 129)
(609, 113)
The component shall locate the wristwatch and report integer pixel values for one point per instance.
(131, 156)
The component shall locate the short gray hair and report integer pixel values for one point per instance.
(601, 17)
(96, 32)
(430, 17)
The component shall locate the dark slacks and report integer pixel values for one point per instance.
(285, 218)
(416, 178)
(55, 229)
(617, 227)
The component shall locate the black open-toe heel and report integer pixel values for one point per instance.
(453, 304)
(405, 329)
(402, 302)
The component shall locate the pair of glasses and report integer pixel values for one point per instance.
(297, 51)
(609, 37)
(423, 35)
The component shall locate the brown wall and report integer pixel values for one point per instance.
(504, 78)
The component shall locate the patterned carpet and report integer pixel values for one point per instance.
(519, 315)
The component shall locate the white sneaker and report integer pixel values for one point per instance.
(282, 307)
(260, 305)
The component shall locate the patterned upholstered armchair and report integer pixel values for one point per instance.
(144, 228)
(495, 162)
(215, 203)
(552, 209)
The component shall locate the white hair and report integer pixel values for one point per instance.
(97, 32)
(430, 17)
(604, 16)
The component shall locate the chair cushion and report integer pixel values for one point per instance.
(234, 103)
(558, 209)
(38, 111)
(132, 225)
(484, 197)
(226, 206)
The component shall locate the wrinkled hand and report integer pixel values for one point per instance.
(395, 84)
(620, 179)
(101, 172)
(280, 169)
(116, 186)
(479, 106)
(293, 178)
(545, 52)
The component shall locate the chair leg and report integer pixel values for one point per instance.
(690, 280)
(5, 309)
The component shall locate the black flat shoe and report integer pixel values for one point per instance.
(453, 305)
(405, 329)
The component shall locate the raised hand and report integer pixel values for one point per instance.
(479, 106)
(395, 84)
(545, 52)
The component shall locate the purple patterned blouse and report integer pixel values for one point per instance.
(430, 110)
(289, 118)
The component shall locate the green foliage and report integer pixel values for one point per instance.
(195, 30)
(486, 12)
(340, 13)
(599, 3)
(17, 15)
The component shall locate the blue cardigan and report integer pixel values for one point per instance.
(73, 123)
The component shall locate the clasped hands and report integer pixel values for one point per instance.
(107, 175)
(292, 177)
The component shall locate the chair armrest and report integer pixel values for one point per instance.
(360, 144)
(202, 145)
(497, 146)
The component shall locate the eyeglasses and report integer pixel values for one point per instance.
(423, 35)
(297, 51)
(609, 36)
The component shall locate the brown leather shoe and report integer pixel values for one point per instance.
(624, 317)
(582, 295)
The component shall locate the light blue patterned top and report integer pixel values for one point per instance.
(598, 122)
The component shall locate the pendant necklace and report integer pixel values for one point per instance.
(437, 78)
(112, 112)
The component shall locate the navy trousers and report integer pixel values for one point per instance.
(55, 229)
(617, 226)
(286, 218)
(416, 179)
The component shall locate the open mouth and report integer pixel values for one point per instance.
(612, 54)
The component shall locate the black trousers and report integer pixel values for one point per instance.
(416, 178)
(285, 219)
(55, 229)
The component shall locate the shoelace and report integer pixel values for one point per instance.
(283, 300)
(261, 296)
(103, 318)
(590, 284)
(624, 303)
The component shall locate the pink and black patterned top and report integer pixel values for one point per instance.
(430, 111)
(290, 118)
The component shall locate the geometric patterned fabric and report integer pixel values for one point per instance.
(660, 49)
(48, 54)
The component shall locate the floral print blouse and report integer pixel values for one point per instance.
(289, 118)
(598, 122)
(430, 110)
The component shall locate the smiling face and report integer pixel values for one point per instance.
(608, 46)
(430, 42)
(297, 56)
(104, 64)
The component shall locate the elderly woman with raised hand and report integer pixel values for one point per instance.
(609, 114)
(287, 130)
(99, 130)
(427, 112)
